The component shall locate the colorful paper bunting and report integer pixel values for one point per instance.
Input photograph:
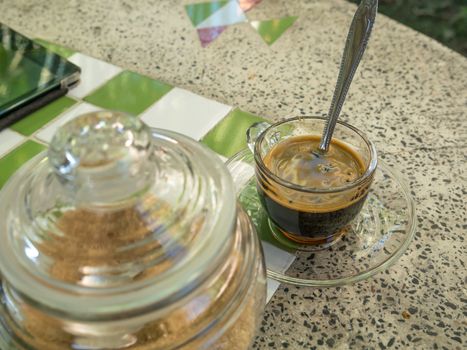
(247, 5)
(272, 29)
(208, 35)
(211, 18)
(200, 11)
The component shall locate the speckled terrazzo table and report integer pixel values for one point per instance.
(409, 95)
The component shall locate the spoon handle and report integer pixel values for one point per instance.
(355, 45)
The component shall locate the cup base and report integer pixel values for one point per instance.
(305, 243)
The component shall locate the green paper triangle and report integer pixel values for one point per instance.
(199, 12)
(272, 29)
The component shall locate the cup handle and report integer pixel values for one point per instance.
(253, 133)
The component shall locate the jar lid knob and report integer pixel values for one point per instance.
(103, 158)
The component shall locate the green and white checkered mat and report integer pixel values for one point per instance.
(105, 86)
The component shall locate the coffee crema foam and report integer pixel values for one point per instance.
(298, 160)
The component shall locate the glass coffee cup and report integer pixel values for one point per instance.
(311, 196)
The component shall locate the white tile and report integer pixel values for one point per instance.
(276, 259)
(272, 286)
(229, 14)
(94, 73)
(8, 140)
(185, 112)
(48, 132)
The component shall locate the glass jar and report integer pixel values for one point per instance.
(123, 237)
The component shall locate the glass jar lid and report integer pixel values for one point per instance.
(115, 212)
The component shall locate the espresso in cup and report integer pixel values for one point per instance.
(321, 198)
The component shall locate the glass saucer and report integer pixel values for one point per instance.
(371, 243)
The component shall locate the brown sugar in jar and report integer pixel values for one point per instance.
(123, 255)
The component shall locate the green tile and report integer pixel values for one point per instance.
(58, 49)
(128, 92)
(272, 29)
(33, 122)
(13, 160)
(199, 12)
(229, 136)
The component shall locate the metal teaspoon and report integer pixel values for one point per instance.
(357, 39)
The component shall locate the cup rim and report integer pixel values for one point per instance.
(363, 178)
